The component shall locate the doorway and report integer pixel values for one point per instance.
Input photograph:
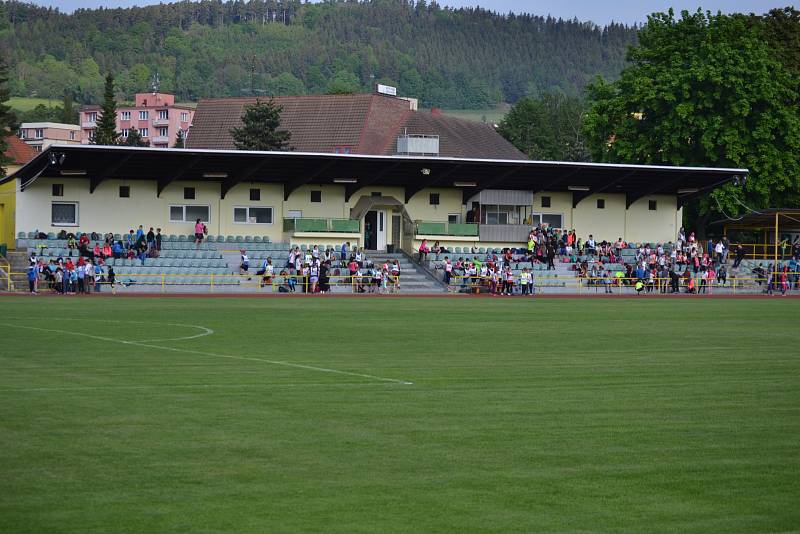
(375, 230)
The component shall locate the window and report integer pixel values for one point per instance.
(124, 191)
(125, 133)
(601, 203)
(91, 116)
(163, 132)
(316, 196)
(252, 215)
(64, 214)
(545, 202)
(144, 132)
(23, 134)
(91, 135)
(552, 220)
(652, 205)
(189, 213)
(342, 150)
(163, 114)
(188, 193)
(184, 116)
(58, 190)
(125, 115)
(72, 136)
(504, 214)
(39, 133)
(143, 115)
(434, 200)
(453, 218)
(255, 195)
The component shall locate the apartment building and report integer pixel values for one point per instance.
(40, 135)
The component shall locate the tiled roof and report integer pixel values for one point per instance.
(459, 138)
(18, 151)
(365, 123)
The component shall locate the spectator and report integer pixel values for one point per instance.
(199, 231)
(158, 239)
(423, 251)
(244, 265)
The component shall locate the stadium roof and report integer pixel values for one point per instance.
(354, 171)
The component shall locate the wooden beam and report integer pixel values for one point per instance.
(350, 189)
(292, 186)
(578, 196)
(164, 182)
(228, 184)
(96, 180)
(411, 191)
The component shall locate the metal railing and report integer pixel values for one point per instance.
(303, 224)
(446, 229)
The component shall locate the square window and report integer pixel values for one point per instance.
(196, 212)
(176, 213)
(316, 196)
(255, 194)
(652, 205)
(188, 193)
(58, 190)
(124, 191)
(452, 218)
(240, 215)
(64, 214)
(601, 203)
(434, 199)
(545, 202)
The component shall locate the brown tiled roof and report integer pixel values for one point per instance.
(459, 138)
(18, 151)
(366, 123)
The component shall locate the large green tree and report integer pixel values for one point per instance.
(704, 90)
(260, 128)
(106, 132)
(7, 118)
(547, 128)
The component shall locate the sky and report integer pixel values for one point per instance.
(599, 11)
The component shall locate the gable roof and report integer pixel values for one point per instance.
(363, 123)
(18, 151)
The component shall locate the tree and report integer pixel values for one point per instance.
(7, 119)
(68, 113)
(548, 128)
(134, 139)
(343, 82)
(259, 130)
(704, 90)
(180, 140)
(106, 132)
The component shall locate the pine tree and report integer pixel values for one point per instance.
(259, 130)
(68, 115)
(180, 140)
(134, 139)
(7, 119)
(106, 132)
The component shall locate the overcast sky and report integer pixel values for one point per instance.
(599, 11)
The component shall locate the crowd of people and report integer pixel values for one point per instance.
(311, 270)
(86, 273)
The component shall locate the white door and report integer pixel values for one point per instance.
(381, 245)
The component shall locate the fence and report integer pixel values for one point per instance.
(219, 283)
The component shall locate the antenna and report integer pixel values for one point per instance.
(154, 83)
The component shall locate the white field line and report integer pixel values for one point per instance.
(204, 331)
(190, 386)
(213, 354)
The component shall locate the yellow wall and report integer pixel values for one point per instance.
(8, 201)
(104, 211)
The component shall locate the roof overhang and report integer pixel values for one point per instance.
(230, 167)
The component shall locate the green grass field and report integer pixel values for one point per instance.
(285, 415)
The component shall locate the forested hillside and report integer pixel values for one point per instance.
(456, 58)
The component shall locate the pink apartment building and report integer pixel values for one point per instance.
(155, 115)
(41, 135)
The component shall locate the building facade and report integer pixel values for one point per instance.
(40, 135)
(18, 154)
(155, 115)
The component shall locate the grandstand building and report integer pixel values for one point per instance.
(375, 201)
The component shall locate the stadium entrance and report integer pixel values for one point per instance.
(375, 230)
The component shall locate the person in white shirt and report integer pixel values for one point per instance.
(448, 270)
(244, 265)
